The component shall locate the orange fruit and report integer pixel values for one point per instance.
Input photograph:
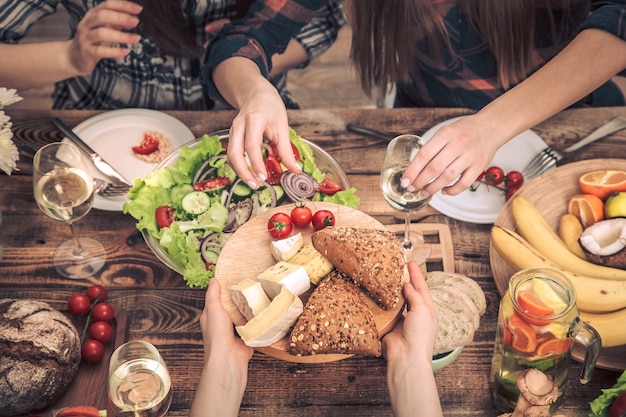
(588, 208)
(553, 346)
(523, 337)
(602, 183)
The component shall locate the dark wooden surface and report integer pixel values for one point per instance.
(163, 311)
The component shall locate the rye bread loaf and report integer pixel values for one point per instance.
(335, 319)
(373, 258)
(460, 283)
(39, 355)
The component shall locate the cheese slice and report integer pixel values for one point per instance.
(284, 249)
(249, 297)
(273, 323)
(315, 264)
(282, 273)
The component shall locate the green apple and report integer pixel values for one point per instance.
(615, 205)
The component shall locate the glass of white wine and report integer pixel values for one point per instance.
(63, 189)
(139, 383)
(400, 152)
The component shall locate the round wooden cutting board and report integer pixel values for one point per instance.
(248, 253)
(550, 193)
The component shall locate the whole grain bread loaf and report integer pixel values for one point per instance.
(335, 319)
(373, 258)
(39, 355)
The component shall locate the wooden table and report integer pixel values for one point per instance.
(162, 310)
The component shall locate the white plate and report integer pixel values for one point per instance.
(114, 133)
(483, 205)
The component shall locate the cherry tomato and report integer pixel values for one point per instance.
(514, 179)
(101, 331)
(280, 225)
(329, 187)
(92, 351)
(78, 304)
(494, 175)
(301, 215)
(164, 216)
(211, 184)
(296, 153)
(618, 409)
(322, 219)
(509, 192)
(148, 145)
(273, 168)
(97, 293)
(103, 312)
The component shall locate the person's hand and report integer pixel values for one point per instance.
(416, 333)
(103, 33)
(218, 334)
(459, 151)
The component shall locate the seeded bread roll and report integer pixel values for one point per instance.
(460, 283)
(374, 259)
(39, 355)
(335, 320)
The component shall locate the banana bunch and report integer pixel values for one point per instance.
(600, 291)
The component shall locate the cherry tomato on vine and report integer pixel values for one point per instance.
(509, 192)
(514, 179)
(301, 215)
(164, 216)
(78, 304)
(280, 225)
(494, 175)
(322, 219)
(329, 187)
(101, 331)
(97, 293)
(618, 409)
(148, 145)
(92, 351)
(103, 312)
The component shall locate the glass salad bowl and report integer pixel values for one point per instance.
(323, 161)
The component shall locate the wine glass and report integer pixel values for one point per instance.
(400, 152)
(139, 383)
(63, 189)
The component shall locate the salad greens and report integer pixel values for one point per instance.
(600, 406)
(168, 185)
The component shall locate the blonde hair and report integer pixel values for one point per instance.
(384, 34)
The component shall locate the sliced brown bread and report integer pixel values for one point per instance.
(460, 283)
(458, 319)
(373, 258)
(335, 319)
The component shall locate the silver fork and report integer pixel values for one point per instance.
(109, 189)
(548, 157)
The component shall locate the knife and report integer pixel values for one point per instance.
(366, 131)
(102, 165)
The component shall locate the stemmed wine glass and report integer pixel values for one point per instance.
(400, 152)
(63, 189)
(139, 382)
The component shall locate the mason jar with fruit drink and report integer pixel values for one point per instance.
(538, 323)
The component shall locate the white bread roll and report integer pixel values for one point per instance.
(457, 319)
(461, 283)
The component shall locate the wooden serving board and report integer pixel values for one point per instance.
(248, 253)
(90, 384)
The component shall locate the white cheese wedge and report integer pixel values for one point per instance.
(273, 323)
(249, 297)
(315, 264)
(284, 249)
(282, 273)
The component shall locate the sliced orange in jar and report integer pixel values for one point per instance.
(523, 335)
(553, 347)
(588, 208)
(602, 183)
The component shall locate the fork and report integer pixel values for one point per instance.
(548, 157)
(109, 189)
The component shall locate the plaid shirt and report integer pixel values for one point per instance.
(471, 79)
(148, 78)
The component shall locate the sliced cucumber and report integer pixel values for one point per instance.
(196, 202)
(241, 191)
(178, 192)
(226, 171)
(280, 194)
(267, 195)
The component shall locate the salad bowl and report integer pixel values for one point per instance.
(322, 161)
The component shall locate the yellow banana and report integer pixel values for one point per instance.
(592, 294)
(570, 230)
(610, 326)
(533, 227)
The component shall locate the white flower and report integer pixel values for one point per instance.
(8, 151)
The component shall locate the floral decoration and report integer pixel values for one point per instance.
(9, 154)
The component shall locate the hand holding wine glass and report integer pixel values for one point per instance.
(63, 189)
(400, 152)
(139, 382)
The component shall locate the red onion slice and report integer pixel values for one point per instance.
(298, 186)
